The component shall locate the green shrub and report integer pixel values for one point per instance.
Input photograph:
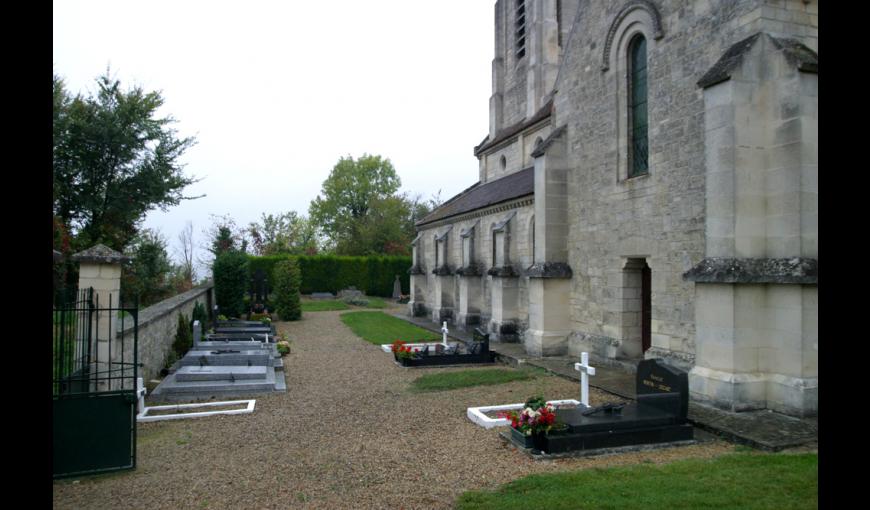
(230, 281)
(199, 314)
(287, 280)
(183, 336)
(283, 348)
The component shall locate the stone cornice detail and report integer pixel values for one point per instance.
(503, 272)
(478, 213)
(416, 269)
(442, 271)
(472, 270)
(549, 270)
(797, 270)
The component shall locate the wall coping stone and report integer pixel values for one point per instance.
(100, 254)
(163, 308)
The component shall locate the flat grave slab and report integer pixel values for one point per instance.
(220, 373)
(227, 357)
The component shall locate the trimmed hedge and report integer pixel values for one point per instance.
(373, 275)
(287, 279)
(230, 282)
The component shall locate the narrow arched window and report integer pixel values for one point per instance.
(638, 155)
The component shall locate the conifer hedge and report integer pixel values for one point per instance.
(331, 273)
(286, 290)
(231, 276)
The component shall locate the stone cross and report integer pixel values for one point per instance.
(585, 371)
(444, 334)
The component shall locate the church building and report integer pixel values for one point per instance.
(648, 188)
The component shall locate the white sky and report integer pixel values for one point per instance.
(277, 91)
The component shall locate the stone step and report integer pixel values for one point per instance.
(220, 373)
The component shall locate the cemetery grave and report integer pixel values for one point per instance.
(237, 360)
(444, 353)
(659, 416)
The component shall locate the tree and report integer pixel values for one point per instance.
(147, 276)
(223, 235)
(113, 161)
(347, 195)
(186, 268)
(283, 233)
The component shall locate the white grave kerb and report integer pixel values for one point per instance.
(585, 371)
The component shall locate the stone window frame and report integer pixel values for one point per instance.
(516, 27)
(443, 238)
(638, 17)
(532, 239)
(502, 227)
(463, 234)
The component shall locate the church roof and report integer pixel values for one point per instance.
(482, 195)
(515, 128)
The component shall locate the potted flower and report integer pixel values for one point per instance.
(530, 425)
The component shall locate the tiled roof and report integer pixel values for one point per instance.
(515, 128)
(482, 195)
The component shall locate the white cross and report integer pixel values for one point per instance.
(444, 334)
(585, 371)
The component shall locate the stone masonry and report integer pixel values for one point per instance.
(731, 90)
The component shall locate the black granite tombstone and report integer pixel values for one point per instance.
(659, 416)
(259, 291)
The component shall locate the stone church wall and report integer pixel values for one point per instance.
(659, 217)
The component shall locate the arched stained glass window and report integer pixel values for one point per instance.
(638, 158)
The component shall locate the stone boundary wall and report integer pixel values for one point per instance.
(158, 323)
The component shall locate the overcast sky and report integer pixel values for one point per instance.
(275, 92)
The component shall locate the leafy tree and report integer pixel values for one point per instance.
(347, 195)
(113, 161)
(147, 276)
(283, 233)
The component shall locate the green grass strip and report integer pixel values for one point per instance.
(325, 305)
(380, 328)
(465, 378)
(745, 481)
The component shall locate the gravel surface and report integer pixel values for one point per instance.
(347, 434)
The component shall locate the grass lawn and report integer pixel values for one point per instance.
(323, 305)
(465, 378)
(742, 480)
(380, 328)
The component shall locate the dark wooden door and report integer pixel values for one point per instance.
(645, 307)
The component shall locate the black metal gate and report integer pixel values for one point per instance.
(94, 367)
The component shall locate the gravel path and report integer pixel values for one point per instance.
(347, 434)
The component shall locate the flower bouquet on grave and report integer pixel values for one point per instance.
(529, 426)
(402, 351)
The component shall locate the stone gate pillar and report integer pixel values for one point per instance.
(100, 269)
